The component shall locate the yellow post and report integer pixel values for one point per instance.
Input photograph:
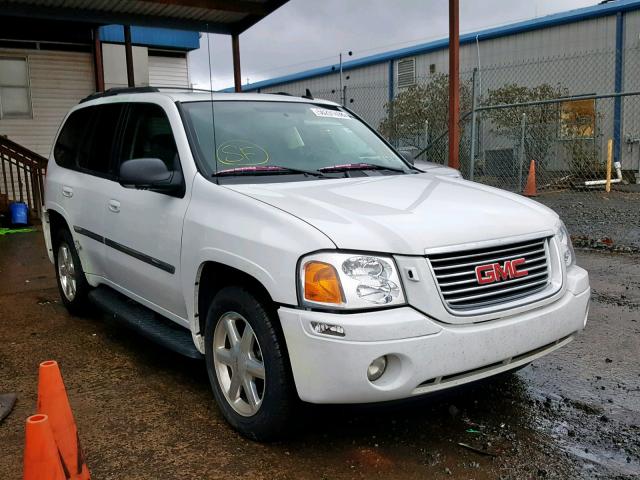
(609, 157)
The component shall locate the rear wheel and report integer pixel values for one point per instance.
(72, 284)
(247, 365)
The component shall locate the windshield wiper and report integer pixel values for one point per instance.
(266, 170)
(359, 166)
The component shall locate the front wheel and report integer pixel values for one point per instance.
(247, 365)
(72, 283)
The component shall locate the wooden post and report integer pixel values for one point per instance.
(98, 66)
(128, 49)
(454, 85)
(609, 160)
(235, 50)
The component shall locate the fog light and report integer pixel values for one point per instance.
(377, 368)
(328, 329)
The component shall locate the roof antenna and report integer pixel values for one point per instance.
(308, 95)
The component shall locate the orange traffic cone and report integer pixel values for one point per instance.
(530, 187)
(41, 456)
(53, 401)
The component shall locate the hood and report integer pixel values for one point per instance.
(405, 214)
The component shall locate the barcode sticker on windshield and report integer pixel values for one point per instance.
(325, 112)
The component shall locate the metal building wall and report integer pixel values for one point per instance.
(168, 71)
(630, 151)
(551, 55)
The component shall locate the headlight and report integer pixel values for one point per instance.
(349, 281)
(566, 248)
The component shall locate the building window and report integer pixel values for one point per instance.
(432, 68)
(15, 98)
(406, 72)
(577, 119)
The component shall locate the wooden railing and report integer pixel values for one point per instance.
(23, 174)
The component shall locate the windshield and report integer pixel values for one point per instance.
(270, 138)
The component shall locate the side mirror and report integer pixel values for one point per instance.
(150, 174)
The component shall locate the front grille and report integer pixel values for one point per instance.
(456, 274)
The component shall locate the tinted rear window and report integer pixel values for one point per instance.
(67, 146)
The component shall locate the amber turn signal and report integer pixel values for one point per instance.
(321, 283)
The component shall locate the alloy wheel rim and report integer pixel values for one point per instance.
(238, 363)
(67, 272)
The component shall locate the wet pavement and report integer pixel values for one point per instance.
(145, 413)
(609, 221)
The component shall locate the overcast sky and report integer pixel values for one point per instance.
(304, 34)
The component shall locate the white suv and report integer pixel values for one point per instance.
(287, 242)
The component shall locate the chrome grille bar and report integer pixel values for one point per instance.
(461, 289)
(439, 266)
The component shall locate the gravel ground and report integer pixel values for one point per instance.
(145, 413)
(600, 220)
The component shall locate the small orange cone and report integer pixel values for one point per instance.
(41, 456)
(53, 401)
(530, 187)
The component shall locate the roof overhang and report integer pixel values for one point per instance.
(215, 16)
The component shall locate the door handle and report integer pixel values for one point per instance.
(67, 192)
(114, 206)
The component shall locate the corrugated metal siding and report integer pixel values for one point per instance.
(630, 155)
(168, 71)
(58, 81)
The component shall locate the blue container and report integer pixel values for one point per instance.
(19, 213)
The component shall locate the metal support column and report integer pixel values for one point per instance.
(235, 50)
(391, 81)
(98, 65)
(474, 130)
(390, 96)
(454, 85)
(617, 106)
(128, 50)
(523, 132)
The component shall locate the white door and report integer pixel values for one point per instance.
(144, 234)
(85, 147)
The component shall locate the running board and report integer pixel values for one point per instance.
(145, 321)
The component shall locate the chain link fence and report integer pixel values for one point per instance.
(557, 111)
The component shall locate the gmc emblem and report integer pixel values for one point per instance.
(496, 272)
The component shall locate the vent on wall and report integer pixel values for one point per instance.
(406, 72)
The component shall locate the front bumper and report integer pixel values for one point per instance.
(424, 355)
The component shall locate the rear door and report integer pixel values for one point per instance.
(85, 146)
(145, 228)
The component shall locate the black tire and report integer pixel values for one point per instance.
(278, 404)
(78, 304)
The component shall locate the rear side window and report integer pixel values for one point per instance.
(96, 151)
(67, 146)
(148, 135)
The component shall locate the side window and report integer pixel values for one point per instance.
(148, 135)
(67, 146)
(96, 151)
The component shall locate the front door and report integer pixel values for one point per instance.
(145, 228)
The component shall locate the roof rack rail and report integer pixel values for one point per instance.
(118, 91)
(147, 89)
